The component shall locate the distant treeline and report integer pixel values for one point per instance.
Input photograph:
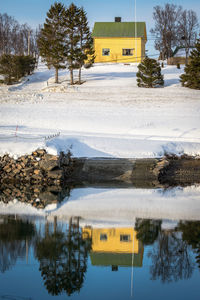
(18, 49)
(17, 39)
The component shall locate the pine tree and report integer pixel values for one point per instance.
(73, 38)
(149, 74)
(191, 77)
(86, 52)
(51, 41)
(7, 68)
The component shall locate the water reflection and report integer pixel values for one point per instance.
(15, 240)
(171, 259)
(64, 252)
(63, 257)
(191, 235)
(115, 247)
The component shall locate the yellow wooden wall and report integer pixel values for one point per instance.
(113, 243)
(116, 45)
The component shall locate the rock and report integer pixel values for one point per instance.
(29, 171)
(56, 174)
(7, 169)
(16, 171)
(37, 172)
(48, 165)
(41, 152)
(50, 157)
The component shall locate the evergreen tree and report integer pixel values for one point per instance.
(14, 67)
(149, 74)
(191, 77)
(86, 52)
(73, 38)
(51, 41)
(6, 68)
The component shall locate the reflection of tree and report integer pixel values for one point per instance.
(191, 234)
(170, 258)
(63, 259)
(147, 230)
(14, 236)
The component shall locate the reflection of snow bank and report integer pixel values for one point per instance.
(127, 204)
(16, 207)
(118, 207)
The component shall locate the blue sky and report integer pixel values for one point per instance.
(33, 12)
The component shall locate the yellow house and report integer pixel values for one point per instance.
(119, 41)
(114, 246)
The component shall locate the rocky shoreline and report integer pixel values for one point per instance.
(41, 168)
(41, 178)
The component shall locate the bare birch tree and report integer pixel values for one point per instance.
(188, 25)
(166, 28)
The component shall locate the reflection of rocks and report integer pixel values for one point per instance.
(37, 196)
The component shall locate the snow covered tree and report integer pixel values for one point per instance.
(86, 52)
(149, 74)
(51, 41)
(191, 77)
(73, 38)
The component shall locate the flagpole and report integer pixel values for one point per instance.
(135, 32)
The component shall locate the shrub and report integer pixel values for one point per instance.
(149, 74)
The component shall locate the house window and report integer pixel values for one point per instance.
(103, 237)
(125, 238)
(105, 51)
(127, 52)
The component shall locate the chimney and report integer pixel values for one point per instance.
(118, 19)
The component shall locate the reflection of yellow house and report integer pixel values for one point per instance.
(119, 41)
(114, 246)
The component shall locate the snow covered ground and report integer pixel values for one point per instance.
(107, 116)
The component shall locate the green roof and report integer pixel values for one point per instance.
(117, 259)
(119, 29)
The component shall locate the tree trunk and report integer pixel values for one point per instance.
(186, 56)
(71, 77)
(56, 76)
(79, 76)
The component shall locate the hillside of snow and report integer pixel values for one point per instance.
(106, 116)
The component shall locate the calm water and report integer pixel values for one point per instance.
(133, 250)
